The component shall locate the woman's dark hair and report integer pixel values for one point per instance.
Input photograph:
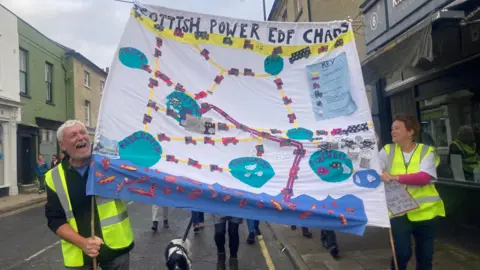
(410, 122)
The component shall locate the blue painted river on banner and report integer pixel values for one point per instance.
(299, 134)
(141, 149)
(252, 171)
(132, 58)
(273, 64)
(331, 166)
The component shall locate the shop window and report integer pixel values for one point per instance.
(50, 136)
(43, 135)
(436, 128)
(451, 123)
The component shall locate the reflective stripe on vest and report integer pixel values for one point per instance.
(114, 222)
(72, 255)
(427, 197)
(62, 196)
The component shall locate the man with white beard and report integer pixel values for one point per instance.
(68, 209)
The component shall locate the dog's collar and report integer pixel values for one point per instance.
(184, 250)
(180, 247)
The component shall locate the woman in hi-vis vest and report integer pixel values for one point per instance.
(414, 165)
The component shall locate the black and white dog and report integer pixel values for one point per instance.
(177, 255)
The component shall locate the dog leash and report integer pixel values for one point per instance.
(187, 231)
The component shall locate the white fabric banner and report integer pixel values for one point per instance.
(261, 120)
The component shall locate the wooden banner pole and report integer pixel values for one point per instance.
(92, 224)
(393, 249)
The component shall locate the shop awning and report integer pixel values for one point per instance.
(407, 50)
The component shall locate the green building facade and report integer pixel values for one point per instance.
(43, 96)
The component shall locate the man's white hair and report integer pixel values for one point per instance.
(67, 124)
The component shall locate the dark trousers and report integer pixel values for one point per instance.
(121, 262)
(328, 238)
(197, 217)
(233, 237)
(424, 235)
(41, 182)
(252, 225)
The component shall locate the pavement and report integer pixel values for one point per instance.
(370, 251)
(27, 243)
(20, 202)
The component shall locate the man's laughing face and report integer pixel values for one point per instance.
(76, 142)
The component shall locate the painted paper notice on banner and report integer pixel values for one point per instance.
(399, 200)
(330, 88)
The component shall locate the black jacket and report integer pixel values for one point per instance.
(81, 206)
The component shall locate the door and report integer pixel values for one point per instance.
(26, 151)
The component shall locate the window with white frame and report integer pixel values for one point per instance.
(50, 136)
(285, 16)
(23, 71)
(48, 81)
(87, 113)
(299, 6)
(86, 79)
(102, 85)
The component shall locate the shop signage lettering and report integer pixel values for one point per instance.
(395, 3)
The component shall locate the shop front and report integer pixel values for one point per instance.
(8, 150)
(427, 64)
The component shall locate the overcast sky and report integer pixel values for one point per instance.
(94, 27)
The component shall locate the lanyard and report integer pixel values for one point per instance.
(408, 163)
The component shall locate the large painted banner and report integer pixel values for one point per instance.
(260, 120)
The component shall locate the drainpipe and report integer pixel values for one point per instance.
(64, 59)
(309, 11)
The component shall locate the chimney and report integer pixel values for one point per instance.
(107, 69)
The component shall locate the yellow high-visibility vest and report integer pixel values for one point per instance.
(469, 156)
(427, 197)
(114, 222)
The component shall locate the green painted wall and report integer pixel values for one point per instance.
(70, 86)
(41, 50)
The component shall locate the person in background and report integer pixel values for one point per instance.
(328, 238)
(329, 241)
(55, 161)
(253, 229)
(155, 218)
(464, 145)
(198, 219)
(233, 240)
(40, 170)
(62, 156)
(305, 231)
(69, 214)
(413, 165)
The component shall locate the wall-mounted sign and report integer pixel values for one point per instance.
(375, 21)
(398, 16)
(400, 9)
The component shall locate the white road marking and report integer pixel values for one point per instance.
(130, 203)
(33, 256)
(41, 251)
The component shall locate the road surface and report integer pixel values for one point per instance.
(27, 243)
